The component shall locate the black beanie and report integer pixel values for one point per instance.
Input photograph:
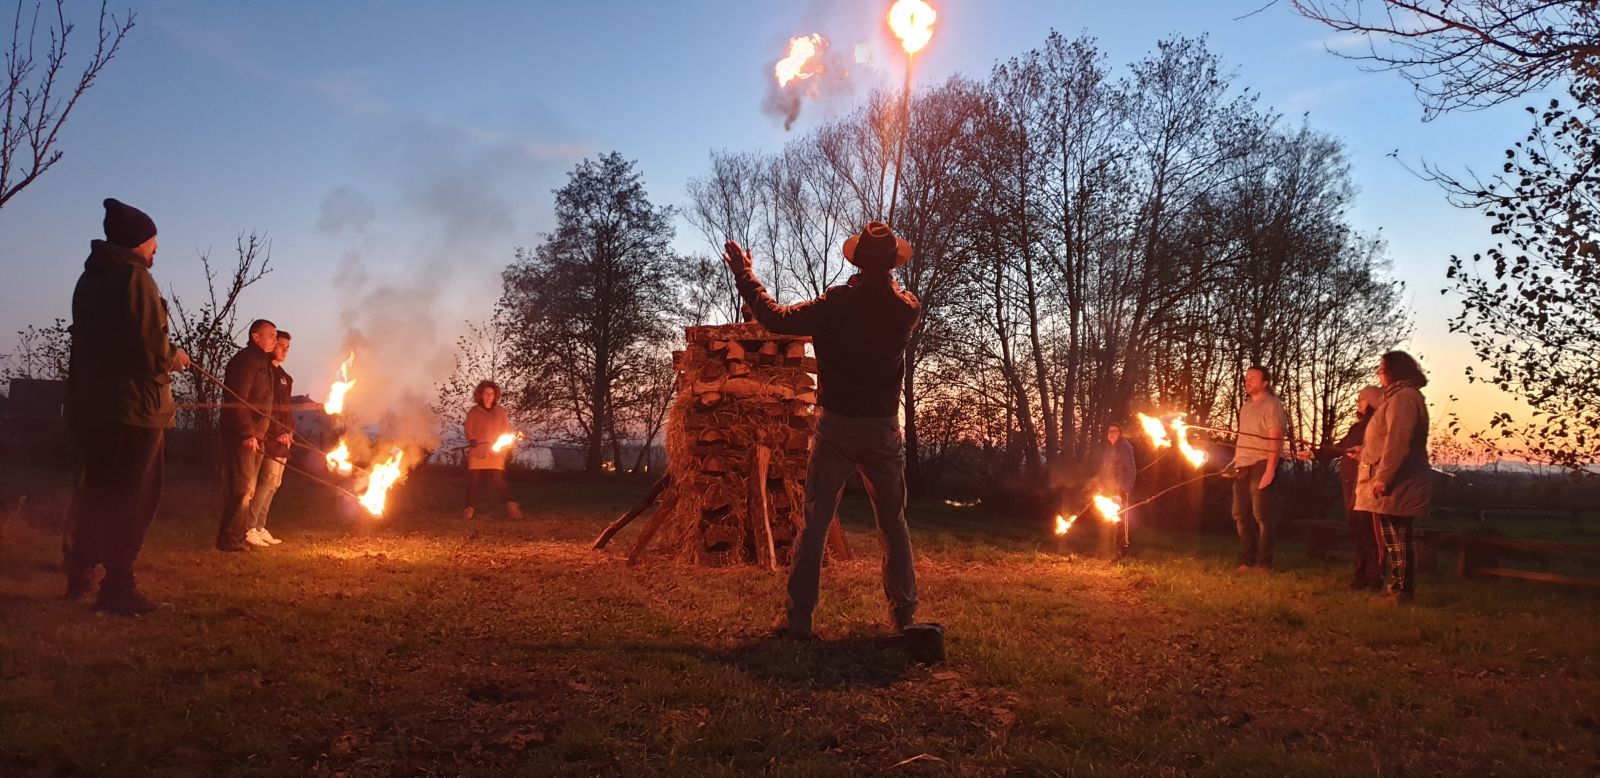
(127, 226)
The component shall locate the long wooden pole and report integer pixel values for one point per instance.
(905, 132)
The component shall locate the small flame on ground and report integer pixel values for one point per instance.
(1156, 430)
(1064, 523)
(801, 52)
(339, 459)
(1180, 430)
(505, 441)
(1109, 508)
(336, 393)
(384, 476)
(912, 22)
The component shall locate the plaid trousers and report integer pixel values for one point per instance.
(1400, 560)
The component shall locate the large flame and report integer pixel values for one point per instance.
(1180, 430)
(339, 459)
(1156, 430)
(1064, 523)
(912, 22)
(800, 62)
(336, 393)
(384, 476)
(505, 441)
(1109, 508)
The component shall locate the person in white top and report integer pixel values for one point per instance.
(1255, 497)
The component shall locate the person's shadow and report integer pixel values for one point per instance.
(852, 661)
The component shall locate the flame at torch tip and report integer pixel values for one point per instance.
(339, 459)
(801, 50)
(912, 22)
(1064, 523)
(1109, 508)
(384, 476)
(1180, 430)
(336, 393)
(1156, 430)
(505, 441)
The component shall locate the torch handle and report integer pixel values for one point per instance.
(905, 132)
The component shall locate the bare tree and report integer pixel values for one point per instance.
(211, 334)
(41, 352)
(38, 99)
(1463, 54)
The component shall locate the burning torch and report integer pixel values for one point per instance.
(912, 22)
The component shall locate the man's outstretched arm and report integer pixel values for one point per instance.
(798, 319)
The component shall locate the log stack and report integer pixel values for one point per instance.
(738, 436)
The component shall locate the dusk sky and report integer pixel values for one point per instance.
(397, 153)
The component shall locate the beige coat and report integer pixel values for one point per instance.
(483, 426)
(1395, 453)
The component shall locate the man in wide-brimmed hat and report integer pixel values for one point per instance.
(859, 332)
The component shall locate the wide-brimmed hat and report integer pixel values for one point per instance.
(877, 248)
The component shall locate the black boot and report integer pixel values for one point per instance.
(122, 597)
(78, 580)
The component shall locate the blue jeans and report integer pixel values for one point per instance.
(875, 449)
(1255, 516)
(267, 484)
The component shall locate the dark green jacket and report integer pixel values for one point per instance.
(120, 350)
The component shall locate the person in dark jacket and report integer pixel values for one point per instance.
(1116, 478)
(859, 331)
(279, 444)
(246, 425)
(1364, 532)
(119, 407)
(1396, 479)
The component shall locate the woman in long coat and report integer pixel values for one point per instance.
(486, 422)
(1395, 479)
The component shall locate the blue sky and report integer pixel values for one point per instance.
(397, 152)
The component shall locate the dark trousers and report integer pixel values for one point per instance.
(118, 492)
(1255, 516)
(1365, 533)
(496, 480)
(241, 468)
(1399, 552)
(875, 449)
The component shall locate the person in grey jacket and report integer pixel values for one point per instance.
(1116, 478)
(1395, 482)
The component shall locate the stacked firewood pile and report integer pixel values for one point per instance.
(738, 436)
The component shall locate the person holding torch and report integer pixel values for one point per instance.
(489, 443)
(859, 331)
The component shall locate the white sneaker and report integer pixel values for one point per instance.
(253, 537)
(266, 535)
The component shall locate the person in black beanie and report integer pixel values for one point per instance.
(119, 406)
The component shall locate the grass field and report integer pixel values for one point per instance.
(422, 645)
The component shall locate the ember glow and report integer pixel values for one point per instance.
(1064, 523)
(505, 441)
(339, 459)
(1156, 430)
(802, 61)
(912, 22)
(336, 393)
(1180, 430)
(384, 476)
(1109, 508)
